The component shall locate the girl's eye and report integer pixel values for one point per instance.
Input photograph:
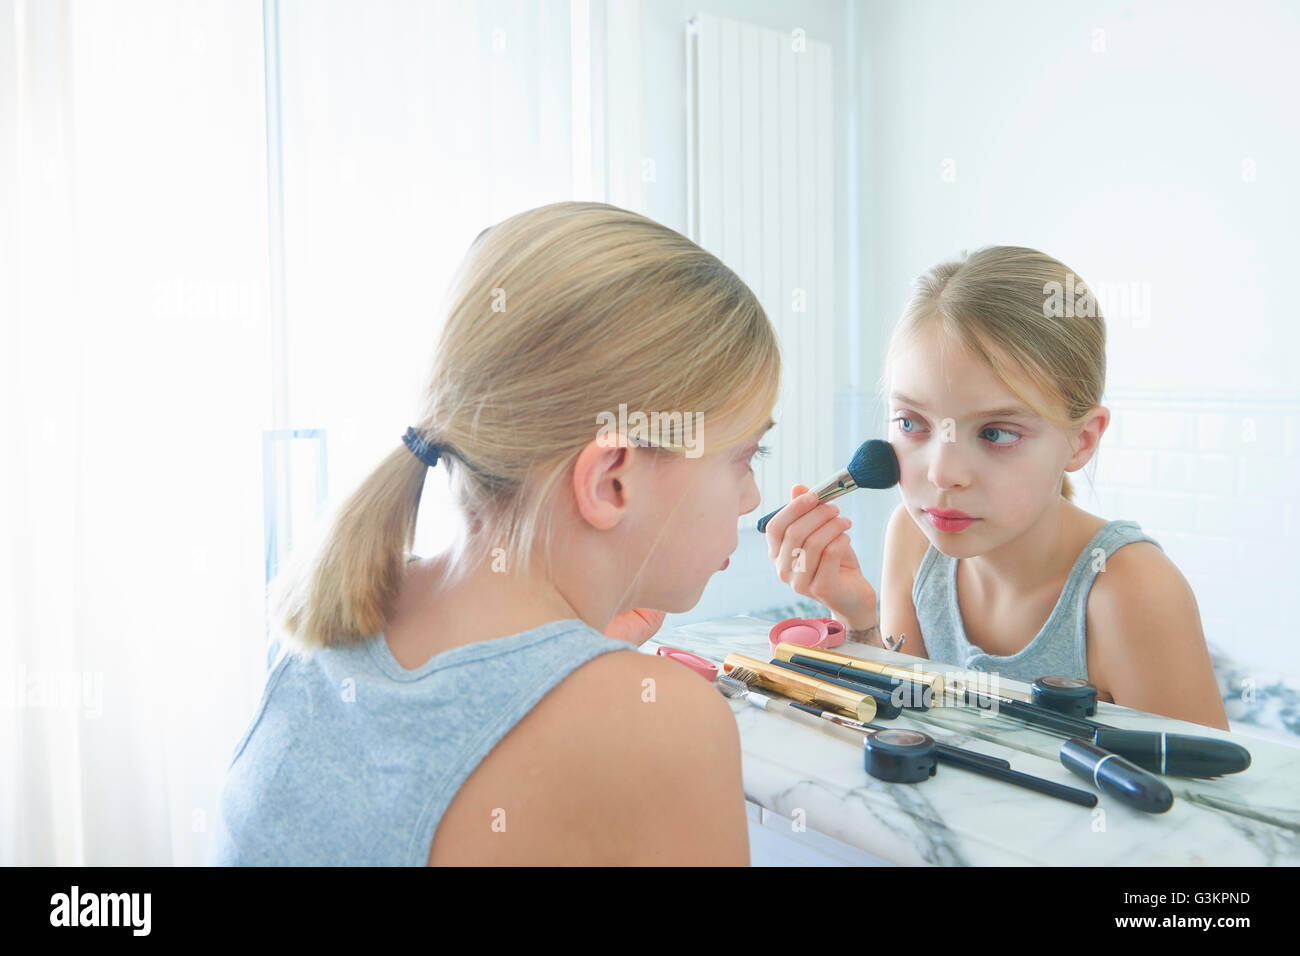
(904, 422)
(762, 451)
(1005, 431)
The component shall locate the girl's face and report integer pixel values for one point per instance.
(965, 443)
(704, 497)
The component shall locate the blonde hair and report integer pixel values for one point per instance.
(555, 316)
(1000, 303)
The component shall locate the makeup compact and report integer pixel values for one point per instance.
(705, 668)
(814, 632)
(1065, 695)
(900, 756)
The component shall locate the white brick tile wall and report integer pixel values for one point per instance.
(1213, 432)
(1172, 471)
(1208, 472)
(1262, 433)
(1215, 480)
(1150, 428)
(1127, 467)
(1166, 510)
(1203, 554)
(1213, 598)
(1265, 477)
(1213, 473)
(1256, 517)
(1249, 430)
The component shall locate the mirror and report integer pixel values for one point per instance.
(832, 154)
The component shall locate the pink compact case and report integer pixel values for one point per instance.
(815, 632)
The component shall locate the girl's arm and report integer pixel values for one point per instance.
(1146, 648)
(905, 546)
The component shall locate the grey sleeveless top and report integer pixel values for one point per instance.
(351, 759)
(1059, 648)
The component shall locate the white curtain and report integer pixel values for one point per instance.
(408, 128)
(136, 371)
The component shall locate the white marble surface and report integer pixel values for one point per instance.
(960, 818)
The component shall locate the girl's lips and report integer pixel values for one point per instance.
(946, 513)
(949, 524)
(725, 563)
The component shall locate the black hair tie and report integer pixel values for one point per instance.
(423, 450)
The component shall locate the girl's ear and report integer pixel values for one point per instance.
(1087, 436)
(600, 474)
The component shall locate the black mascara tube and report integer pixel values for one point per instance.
(1180, 755)
(1114, 775)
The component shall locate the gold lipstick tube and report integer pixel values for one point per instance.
(806, 690)
(784, 651)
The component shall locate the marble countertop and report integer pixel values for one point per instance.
(960, 818)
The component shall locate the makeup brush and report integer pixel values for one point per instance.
(874, 465)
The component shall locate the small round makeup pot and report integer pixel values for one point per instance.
(815, 632)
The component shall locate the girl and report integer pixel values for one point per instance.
(488, 706)
(993, 396)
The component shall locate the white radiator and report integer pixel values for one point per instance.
(759, 179)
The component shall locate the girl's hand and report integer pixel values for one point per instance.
(636, 625)
(809, 545)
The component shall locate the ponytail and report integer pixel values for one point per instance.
(347, 592)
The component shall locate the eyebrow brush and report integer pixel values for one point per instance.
(807, 690)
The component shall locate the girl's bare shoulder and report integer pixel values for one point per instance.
(1140, 609)
(1132, 567)
(607, 736)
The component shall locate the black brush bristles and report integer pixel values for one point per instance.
(874, 465)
